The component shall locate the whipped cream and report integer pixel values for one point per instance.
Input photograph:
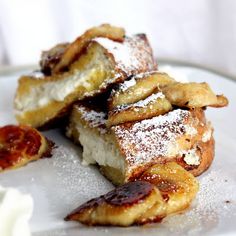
(15, 211)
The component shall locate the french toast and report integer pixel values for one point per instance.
(147, 123)
(84, 68)
(124, 151)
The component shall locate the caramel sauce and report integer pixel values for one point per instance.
(129, 193)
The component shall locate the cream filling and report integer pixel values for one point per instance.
(96, 149)
(191, 157)
(47, 92)
(54, 91)
(15, 212)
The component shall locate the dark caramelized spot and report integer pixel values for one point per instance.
(17, 142)
(51, 58)
(129, 193)
(93, 203)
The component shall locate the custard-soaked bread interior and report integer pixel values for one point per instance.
(20, 145)
(84, 68)
(162, 190)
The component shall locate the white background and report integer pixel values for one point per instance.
(196, 31)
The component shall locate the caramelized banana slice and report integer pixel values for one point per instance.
(74, 49)
(154, 105)
(50, 58)
(193, 95)
(138, 88)
(20, 145)
(222, 101)
(177, 186)
(122, 206)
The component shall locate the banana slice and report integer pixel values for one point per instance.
(154, 105)
(50, 58)
(122, 206)
(20, 145)
(193, 95)
(138, 88)
(162, 190)
(75, 48)
(177, 186)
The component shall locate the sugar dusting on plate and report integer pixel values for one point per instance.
(215, 199)
(77, 180)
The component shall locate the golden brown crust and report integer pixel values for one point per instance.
(131, 57)
(158, 140)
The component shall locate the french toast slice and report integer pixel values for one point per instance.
(125, 151)
(40, 99)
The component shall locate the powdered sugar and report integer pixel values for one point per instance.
(151, 138)
(127, 84)
(94, 118)
(142, 103)
(75, 177)
(190, 130)
(215, 201)
(151, 98)
(132, 56)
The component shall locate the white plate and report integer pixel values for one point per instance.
(60, 184)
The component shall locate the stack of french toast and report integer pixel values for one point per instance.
(146, 131)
